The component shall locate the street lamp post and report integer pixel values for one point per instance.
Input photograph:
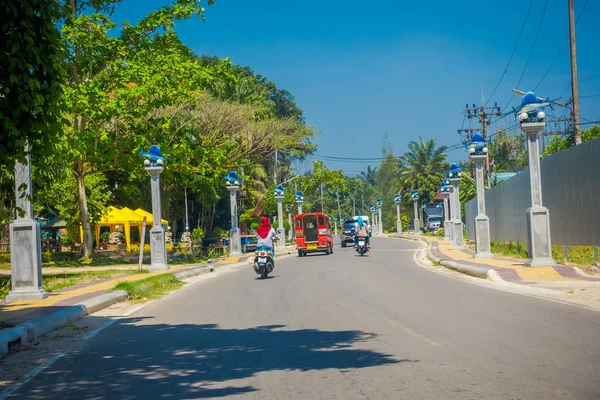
(478, 153)
(414, 195)
(335, 231)
(288, 210)
(446, 194)
(158, 251)
(233, 185)
(457, 226)
(279, 195)
(398, 200)
(379, 203)
(299, 201)
(25, 242)
(373, 221)
(539, 243)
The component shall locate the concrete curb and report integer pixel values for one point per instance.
(27, 331)
(194, 272)
(478, 272)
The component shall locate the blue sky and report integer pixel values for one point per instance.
(359, 69)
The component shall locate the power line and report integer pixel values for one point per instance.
(591, 95)
(512, 53)
(530, 53)
(561, 49)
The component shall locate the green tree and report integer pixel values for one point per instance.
(30, 78)
(116, 81)
(558, 143)
(325, 184)
(509, 152)
(423, 167)
(388, 183)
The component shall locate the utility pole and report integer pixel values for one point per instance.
(483, 113)
(362, 204)
(574, 78)
(275, 169)
(353, 206)
(322, 208)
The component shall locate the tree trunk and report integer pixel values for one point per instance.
(88, 241)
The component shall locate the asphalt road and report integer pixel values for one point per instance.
(337, 327)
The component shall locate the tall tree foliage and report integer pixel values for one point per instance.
(509, 152)
(115, 81)
(558, 143)
(423, 167)
(30, 78)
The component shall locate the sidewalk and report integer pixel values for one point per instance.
(559, 277)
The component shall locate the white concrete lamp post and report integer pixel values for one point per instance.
(446, 193)
(398, 201)
(288, 210)
(456, 222)
(158, 250)
(233, 185)
(539, 243)
(478, 152)
(414, 195)
(379, 204)
(279, 193)
(299, 201)
(25, 242)
(373, 217)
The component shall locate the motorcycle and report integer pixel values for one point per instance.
(361, 246)
(264, 262)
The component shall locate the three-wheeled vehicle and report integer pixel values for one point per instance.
(313, 233)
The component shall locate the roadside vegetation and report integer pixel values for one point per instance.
(56, 281)
(150, 288)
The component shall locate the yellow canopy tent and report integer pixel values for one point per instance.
(149, 217)
(139, 215)
(126, 218)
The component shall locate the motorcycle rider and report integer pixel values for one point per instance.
(362, 231)
(266, 235)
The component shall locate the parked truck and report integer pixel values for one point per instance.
(434, 217)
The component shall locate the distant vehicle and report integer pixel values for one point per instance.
(348, 230)
(433, 217)
(433, 223)
(313, 233)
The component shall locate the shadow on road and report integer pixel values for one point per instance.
(137, 360)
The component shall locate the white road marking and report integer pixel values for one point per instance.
(96, 331)
(30, 375)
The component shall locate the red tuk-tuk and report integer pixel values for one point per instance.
(313, 233)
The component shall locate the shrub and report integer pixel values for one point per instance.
(4, 258)
(197, 233)
(440, 232)
(135, 248)
(104, 237)
(67, 240)
(168, 245)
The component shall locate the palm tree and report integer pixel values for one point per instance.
(369, 176)
(423, 167)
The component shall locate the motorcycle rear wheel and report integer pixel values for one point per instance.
(263, 272)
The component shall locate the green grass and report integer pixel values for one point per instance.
(150, 288)
(189, 260)
(53, 282)
(580, 255)
(510, 249)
